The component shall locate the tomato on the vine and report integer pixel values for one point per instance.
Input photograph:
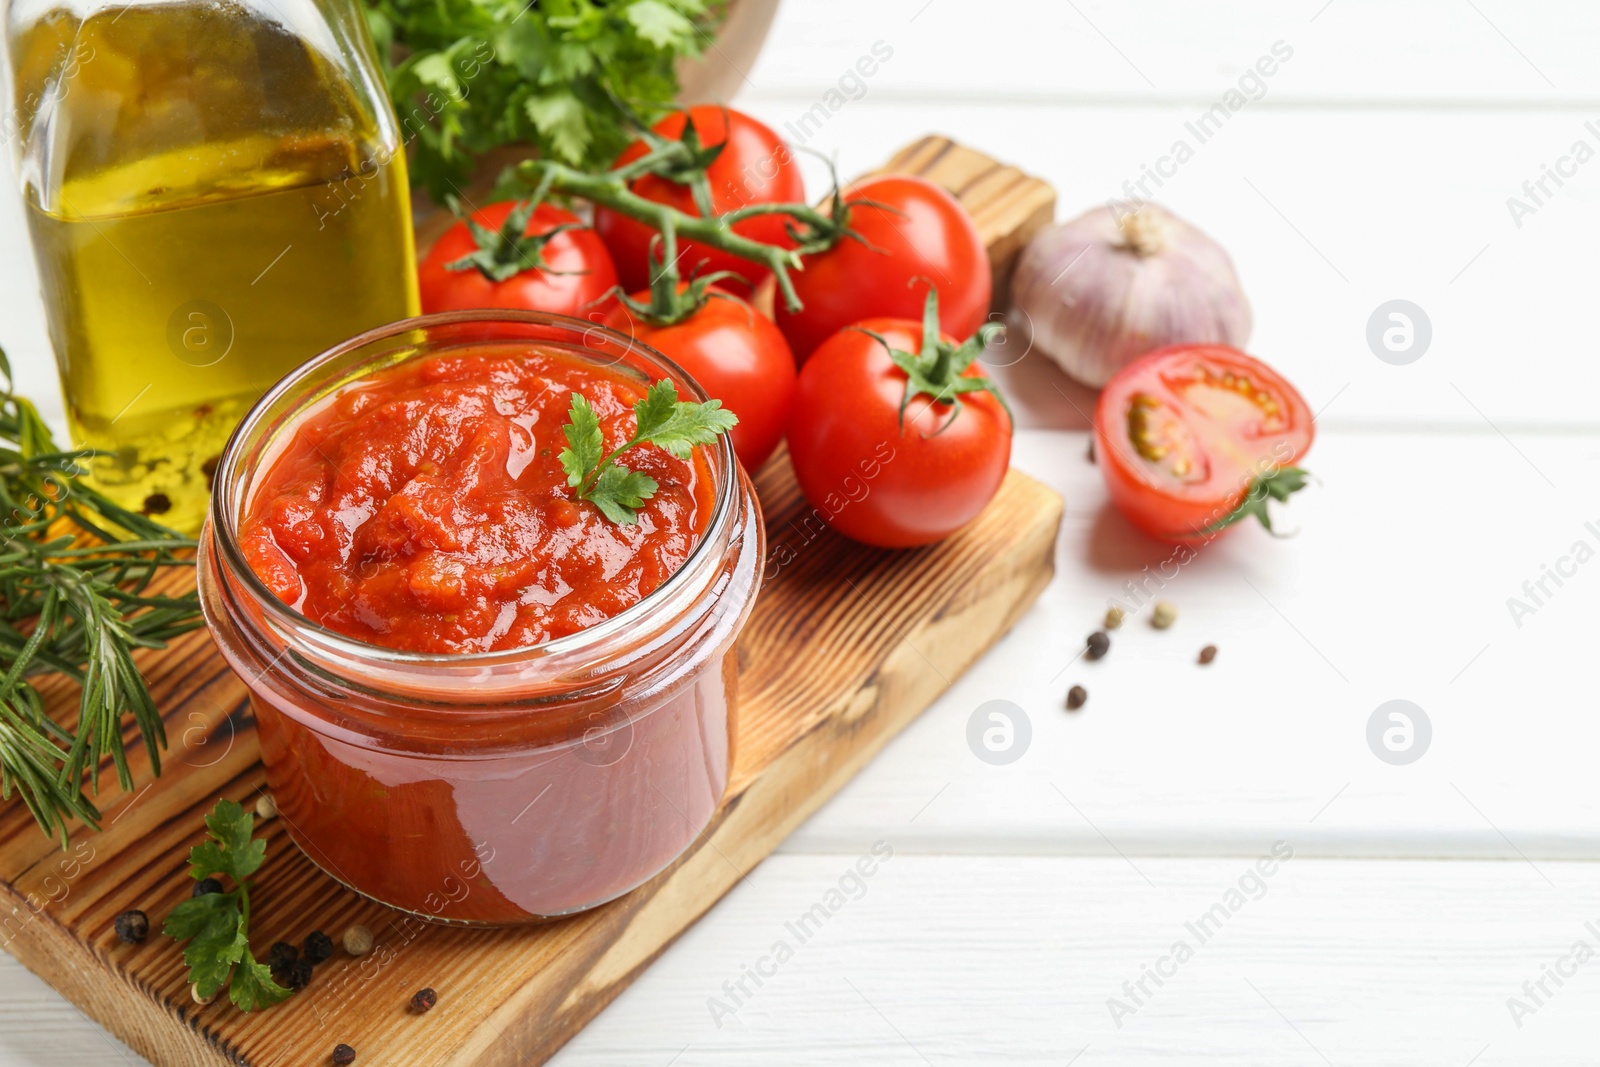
(909, 234)
(513, 255)
(1193, 438)
(736, 354)
(754, 166)
(896, 437)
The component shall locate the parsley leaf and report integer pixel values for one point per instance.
(678, 426)
(231, 851)
(210, 923)
(214, 924)
(585, 446)
(252, 986)
(619, 492)
(660, 419)
(561, 118)
(661, 24)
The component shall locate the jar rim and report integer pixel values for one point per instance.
(231, 494)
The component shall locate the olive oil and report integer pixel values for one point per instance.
(213, 199)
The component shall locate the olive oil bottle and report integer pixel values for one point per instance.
(216, 192)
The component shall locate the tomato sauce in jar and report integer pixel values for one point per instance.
(425, 508)
(478, 699)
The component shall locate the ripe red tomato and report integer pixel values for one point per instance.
(572, 269)
(1193, 436)
(755, 167)
(737, 355)
(918, 235)
(875, 478)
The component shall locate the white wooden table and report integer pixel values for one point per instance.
(1375, 165)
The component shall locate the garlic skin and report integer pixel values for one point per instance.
(1098, 292)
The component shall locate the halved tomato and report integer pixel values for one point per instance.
(1193, 438)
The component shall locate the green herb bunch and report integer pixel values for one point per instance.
(467, 76)
(74, 574)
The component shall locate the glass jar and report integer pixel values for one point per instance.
(216, 191)
(498, 787)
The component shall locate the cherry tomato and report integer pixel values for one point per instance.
(877, 478)
(737, 355)
(1194, 436)
(919, 235)
(572, 269)
(755, 167)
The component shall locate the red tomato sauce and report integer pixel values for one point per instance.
(425, 508)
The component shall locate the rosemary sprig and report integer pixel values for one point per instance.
(75, 568)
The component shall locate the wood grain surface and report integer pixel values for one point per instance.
(833, 663)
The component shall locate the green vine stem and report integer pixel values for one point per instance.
(821, 230)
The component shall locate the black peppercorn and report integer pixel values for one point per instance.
(423, 999)
(281, 953)
(204, 886)
(292, 974)
(318, 946)
(1099, 643)
(132, 926)
(343, 1053)
(1076, 697)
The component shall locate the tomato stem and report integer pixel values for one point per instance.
(938, 371)
(1277, 484)
(684, 161)
(504, 253)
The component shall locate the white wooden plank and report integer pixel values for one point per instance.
(1395, 587)
(1436, 53)
(1012, 960)
(948, 960)
(39, 1027)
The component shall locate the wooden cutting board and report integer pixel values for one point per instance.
(845, 647)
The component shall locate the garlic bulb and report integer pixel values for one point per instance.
(1102, 290)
